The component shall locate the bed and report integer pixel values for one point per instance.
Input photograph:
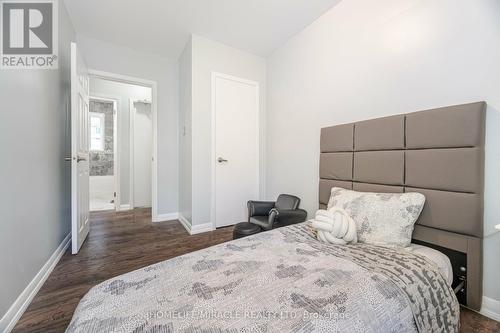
(439, 153)
(285, 280)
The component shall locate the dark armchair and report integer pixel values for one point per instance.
(269, 214)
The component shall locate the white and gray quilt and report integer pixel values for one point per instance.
(282, 280)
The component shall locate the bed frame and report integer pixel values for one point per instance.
(439, 153)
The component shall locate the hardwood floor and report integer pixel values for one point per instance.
(117, 243)
(121, 242)
(471, 321)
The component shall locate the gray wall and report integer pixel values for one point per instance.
(35, 179)
(365, 59)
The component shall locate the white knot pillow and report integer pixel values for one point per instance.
(335, 226)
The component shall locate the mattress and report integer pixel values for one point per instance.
(440, 259)
(283, 280)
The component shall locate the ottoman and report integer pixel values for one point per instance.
(244, 229)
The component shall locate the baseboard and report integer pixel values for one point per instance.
(490, 308)
(124, 207)
(11, 317)
(200, 228)
(195, 229)
(185, 223)
(166, 217)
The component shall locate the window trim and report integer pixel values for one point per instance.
(102, 117)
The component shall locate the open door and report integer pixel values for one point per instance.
(79, 150)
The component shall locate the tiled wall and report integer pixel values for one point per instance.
(101, 162)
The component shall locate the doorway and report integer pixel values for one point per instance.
(134, 161)
(82, 87)
(102, 154)
(235, 147)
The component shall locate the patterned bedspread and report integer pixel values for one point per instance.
(278, 281)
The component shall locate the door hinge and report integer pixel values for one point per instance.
(114, 194)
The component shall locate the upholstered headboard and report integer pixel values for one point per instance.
(439, 153)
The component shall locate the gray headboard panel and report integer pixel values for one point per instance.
(439, 153)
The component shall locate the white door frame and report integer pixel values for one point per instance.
(215, 76)
(131, 151)
(116, 137)
(154, 104)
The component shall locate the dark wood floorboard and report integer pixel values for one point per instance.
(122, 242)
(117, 243)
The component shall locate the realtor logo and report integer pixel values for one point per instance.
(29, 34)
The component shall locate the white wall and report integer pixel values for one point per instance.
(122, 92)
(208, 56)
(185, 143)
(35, 213)
(366, 59)
(120, 60)
(142, 152)
(101, 190)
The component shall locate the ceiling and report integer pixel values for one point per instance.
(163, 26)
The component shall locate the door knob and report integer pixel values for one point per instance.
(220, 160)
(68, 159)
(79, 159)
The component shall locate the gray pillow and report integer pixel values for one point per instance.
(385, 219)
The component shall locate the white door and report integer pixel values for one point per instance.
(142, 145)
(79, 150)
(236, 125)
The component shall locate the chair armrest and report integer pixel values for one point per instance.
(259, 208)
(288, 217)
